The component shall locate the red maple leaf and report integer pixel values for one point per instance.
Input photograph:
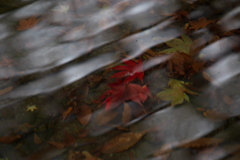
(130, 70)
(121, 92)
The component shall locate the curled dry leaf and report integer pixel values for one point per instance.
(9, 139)
(122, 142)
(84, 114)
(127, 113)
(203, 142)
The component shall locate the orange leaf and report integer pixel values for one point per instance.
(67, 112)
(69, 139)
(84, 115)
(9, 139)
(122, 142)
(27, 23)
(5, 90)
(58, 145)
(200, 23)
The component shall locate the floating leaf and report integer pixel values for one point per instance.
(127, 113)
(122, 142)
(84, 114)
(31, 108)
(177, 92)
(179, 45)
(9, 139)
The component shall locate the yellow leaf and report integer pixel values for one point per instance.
(31, 108)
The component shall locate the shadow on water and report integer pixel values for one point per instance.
(119, 79)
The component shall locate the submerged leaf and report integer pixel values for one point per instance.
(179, 45)
(177, 92)
(84, 115)
(127, 113)
(122, 142)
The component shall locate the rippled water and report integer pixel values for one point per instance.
(56, 64)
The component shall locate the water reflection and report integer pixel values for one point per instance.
(172, 67)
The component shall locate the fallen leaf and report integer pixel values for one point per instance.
(179, 45)
(84, 114)
(177, 92)
(9, 139)
(5, 90)
(88, 156)
(203, 142)
(37, 139)
(58, 145)
(122, 142)
(121, 92)
(200, 23)
(67, 112)
(131, 70)
(69, 140)
(105, 116)
(31, 108)
(27, 23)
(127, 113)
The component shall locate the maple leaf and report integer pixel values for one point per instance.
(176, 93)
(27, 23)
(200, 23)
(130, 70)
(31, 108)
(121, 92)
(179, 45)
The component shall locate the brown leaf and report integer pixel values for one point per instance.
(67, 112)
(5, 90)
(214, 115)
(27, 23)
(127, 113)
(200, 23)
(58, 145)
(88, 156)
(84, 115)
(69, 139)
(122, 142)
(37, 139)
(203, 142)
(9, 139)
(105, 116)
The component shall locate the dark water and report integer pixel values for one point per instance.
(178, 100)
